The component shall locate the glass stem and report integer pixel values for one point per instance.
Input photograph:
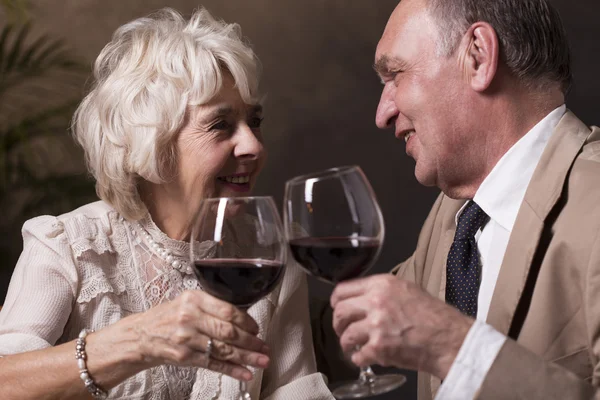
(367, 376)
(244, 395)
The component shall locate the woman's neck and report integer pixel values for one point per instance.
(169, 212)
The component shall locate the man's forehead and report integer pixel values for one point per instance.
(405, 10)
(407, 26)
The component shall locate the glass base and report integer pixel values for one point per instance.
(377, 384)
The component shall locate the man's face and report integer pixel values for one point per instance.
(425, 97)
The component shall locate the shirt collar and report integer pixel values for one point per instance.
(502, 191)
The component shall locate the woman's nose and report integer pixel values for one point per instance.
(248, 144)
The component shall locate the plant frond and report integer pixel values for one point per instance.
(15, 50)
(33, 126)
(22, 59)
(16, 10)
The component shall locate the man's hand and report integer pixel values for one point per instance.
(396, 323)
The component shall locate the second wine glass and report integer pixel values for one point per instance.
(335, 230)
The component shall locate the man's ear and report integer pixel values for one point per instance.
(480, 51)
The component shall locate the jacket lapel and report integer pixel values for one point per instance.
(543, 193)
(437, 282)
(435, 267)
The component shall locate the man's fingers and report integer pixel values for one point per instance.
(347, 312)
(355, 336)
(354, 288)
(363, 358)
(347, 289)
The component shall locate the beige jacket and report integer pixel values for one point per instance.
(547, 297)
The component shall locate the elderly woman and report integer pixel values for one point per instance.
(172, 118)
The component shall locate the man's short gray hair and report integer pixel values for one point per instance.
(145, 80)
(532, 38)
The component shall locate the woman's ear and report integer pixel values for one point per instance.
(480, 52)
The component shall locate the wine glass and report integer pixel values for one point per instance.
(238, 251)
(335, 230)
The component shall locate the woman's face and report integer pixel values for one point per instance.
(220, 150)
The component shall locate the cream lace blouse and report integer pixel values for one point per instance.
(86, 269)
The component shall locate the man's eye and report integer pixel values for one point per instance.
(255, 122)
(397, 76)
(390, 76)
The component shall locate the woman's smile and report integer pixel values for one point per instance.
(236, 182)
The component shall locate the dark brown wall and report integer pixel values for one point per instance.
(322, 92)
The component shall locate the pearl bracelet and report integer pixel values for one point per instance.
(81, 357)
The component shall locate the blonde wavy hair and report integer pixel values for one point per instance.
(145, 79)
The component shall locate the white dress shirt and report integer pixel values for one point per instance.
(500, 196)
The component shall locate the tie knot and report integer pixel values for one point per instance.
(471, 219)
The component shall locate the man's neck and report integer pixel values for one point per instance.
(508, 119)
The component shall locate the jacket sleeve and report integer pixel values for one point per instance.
(538, 379)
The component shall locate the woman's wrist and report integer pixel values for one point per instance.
(84, 374)
(113, 355)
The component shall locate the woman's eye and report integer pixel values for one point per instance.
(255, 122)
(220, 126)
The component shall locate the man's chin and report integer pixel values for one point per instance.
(425, 178)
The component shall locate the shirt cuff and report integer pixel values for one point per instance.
(475, 357)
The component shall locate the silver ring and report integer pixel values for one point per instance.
(209, 348)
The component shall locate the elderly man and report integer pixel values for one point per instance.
(501, 298)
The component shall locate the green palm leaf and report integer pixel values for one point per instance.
(40, 84)
(22, 59)
(17, 10)
(41, 170)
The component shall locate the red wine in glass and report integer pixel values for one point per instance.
(241, 282)
(335, 259)
(335, 230)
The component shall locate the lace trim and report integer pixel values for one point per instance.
(208, 385)
(163, 283)
(100, 284)
(177, 247)
(84, 235)
(93, 241)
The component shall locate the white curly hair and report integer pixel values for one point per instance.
(145, 80)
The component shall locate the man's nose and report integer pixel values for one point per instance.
(387, 111)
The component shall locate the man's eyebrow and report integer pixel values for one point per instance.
(385, 65)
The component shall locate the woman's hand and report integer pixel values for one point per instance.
(177, 333)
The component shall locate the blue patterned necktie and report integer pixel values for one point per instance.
(463, 266)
